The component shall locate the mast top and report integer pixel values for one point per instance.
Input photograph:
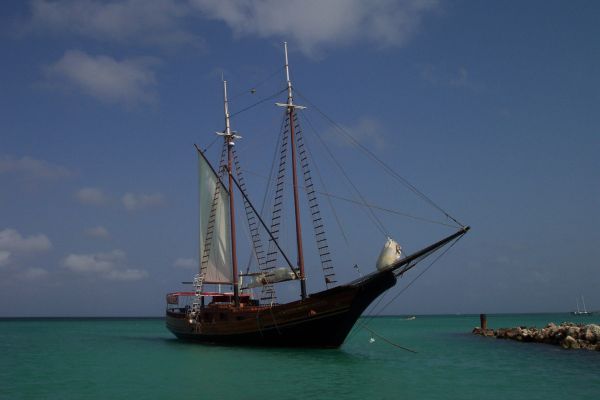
(287, 75)
(228, 134)
(290, 101)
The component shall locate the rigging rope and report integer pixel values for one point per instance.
(377, 222)
(211, 144)
(318, 223)
(385, 166)
(269, 181)
(258, 103)
(376, 207)
(389, 341)
(277, 215)
(329, 202)
(371, 317)
(366, 205)
(259, 84)
(251, 218)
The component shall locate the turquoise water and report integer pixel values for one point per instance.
(138, 358)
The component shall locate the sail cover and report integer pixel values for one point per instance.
(218, 265)
(276, 275)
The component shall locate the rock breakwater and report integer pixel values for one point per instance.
(568, 335)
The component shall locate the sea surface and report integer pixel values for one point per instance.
(139, 359)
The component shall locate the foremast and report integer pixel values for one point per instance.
(290, 106)
(229, 137)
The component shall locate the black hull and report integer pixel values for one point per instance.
(322, 320)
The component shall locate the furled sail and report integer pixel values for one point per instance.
(215, 253)
(276, 275)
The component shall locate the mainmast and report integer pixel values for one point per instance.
(229, 136)
(290, 110)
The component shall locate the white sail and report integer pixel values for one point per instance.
(217, 268)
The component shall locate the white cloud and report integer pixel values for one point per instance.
(126, 21)
(12, 243)
(4, 257)
(185, 263)
(366, 130)
(127, 275)
(313, 24)
(128, 81)
(11, 240)
(460, 79)
(31, 168)
(97, 232)
(98, 262)
(33, 273)
(133, 201)
(111, 265)
(441, 76)
(92, 196)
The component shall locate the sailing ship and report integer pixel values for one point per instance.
(581, 312)
(235, 316)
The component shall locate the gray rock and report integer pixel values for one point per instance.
(573, 331)
(570, 343)
(513, 333)
(592, 333)
(552, 330)
(567, 334)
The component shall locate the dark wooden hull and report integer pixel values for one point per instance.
(323, 319)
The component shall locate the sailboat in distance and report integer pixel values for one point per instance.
(235, 315)
(580, 312)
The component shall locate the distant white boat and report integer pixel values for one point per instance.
(580, 312)
(411, 318)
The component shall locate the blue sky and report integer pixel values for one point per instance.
(491, 109)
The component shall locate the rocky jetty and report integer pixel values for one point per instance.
(568, 335)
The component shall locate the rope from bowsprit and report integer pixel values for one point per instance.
(387, 340)
(370, 318)
(339, 129)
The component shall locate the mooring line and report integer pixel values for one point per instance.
(388, 341)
